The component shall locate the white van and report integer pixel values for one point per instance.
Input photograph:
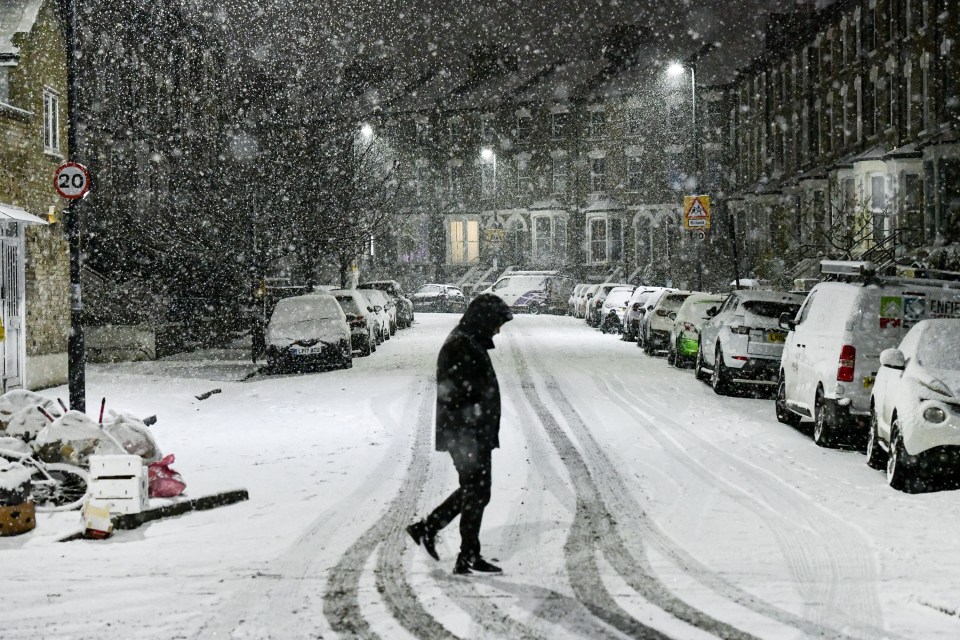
(832, 351)
(534, 291)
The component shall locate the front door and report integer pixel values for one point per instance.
(11, 306)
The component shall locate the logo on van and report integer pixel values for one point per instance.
(891, 312)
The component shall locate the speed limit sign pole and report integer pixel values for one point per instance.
(72, 182)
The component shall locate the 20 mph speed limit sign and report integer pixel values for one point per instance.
(72, 180)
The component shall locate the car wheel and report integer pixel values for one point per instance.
(902, 471)
(372, 342)
(876, 456)
(393, 328)
(348, 363)
(784, 415)
(720, 379)
(698, 372)
(823, 431)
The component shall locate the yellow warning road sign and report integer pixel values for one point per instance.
(696, 213)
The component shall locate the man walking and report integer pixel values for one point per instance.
(468, 424)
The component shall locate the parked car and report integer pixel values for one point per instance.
(594, 307)
(915, 406)
(637, 307)
(581, 302)
(743, 341)
(533, 291)
(306, 331)
(687, 322)
(439, 297)
(832, 353)
(393, 289)
(657, 323)
(387, 306)
(364, 326)
(613, 309)
(572, 302)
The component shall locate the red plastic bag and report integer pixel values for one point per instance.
(164, 481)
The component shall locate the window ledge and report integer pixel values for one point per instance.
(10, 110)
(53, 155)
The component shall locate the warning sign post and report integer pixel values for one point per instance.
(696, 213)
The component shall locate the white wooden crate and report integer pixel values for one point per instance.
(116, 466)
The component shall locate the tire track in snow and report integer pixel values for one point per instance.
(812, 556)
(594, 530)
(390, 542)
(263, 609)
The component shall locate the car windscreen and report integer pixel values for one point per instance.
(768, 309)
(428, 288)
(939, 350)
(349, 305)
(293, 311)
(698, 310)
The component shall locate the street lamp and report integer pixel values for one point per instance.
(489, 156)
(366, 131)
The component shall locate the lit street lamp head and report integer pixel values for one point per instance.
(487, 154)
(675, 69)
(366, 131)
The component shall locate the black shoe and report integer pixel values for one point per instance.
(418, 531)
(485, 567)
(462, 568)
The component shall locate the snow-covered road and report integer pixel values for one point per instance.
(628, 501)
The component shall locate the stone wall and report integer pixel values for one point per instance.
(26, 181)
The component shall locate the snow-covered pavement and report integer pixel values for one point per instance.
(628, 501)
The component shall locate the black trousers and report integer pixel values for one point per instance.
(468, 501)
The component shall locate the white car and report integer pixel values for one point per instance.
(642, 298)
(614, 308)
(389, 307)
(574, 295)
(374, 309)
(364, 326)
(306, 331)
(832, 353)
(915, 406)
(743, 341)
(583, 300)
(657, 323)
(687, 323)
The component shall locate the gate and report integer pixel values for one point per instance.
(11, 306)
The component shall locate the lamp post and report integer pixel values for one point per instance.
(489, 155)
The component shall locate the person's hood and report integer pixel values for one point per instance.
(485, 314)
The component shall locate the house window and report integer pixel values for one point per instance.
(524, 181)
(5, 84)
(634, 122)
(559, 175)
(558, 125)
(524, 128)
(634, 173)
(464, 241)
(51, 121)
(598, 240)
(597, 174)
(869, 107)
(542, 237)
(486, 129)
(598, 124)
(454, 182)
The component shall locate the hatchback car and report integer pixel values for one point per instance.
(306, 331)
(743, 341)
(387, 311)
(584, 299)
(639, 304)
(393, 289)
(572, 302)
(439, 297)
(915, 406)
(657, 323)
(594, 306)
(364, 326)
(614, 308)
(687, 323)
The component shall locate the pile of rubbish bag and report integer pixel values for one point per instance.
(34, 424)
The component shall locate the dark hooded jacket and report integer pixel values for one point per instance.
(468, 395)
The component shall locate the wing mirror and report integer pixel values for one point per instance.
(712, 311)
(787, 322)
(893, 358)
(589, 295)
(377, 308)
(643, 312)
(672, 315)
(370, 309)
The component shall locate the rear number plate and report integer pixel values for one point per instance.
(776, 336)
(868, 381)
(305, 351)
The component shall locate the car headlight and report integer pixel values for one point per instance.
(936, 415)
